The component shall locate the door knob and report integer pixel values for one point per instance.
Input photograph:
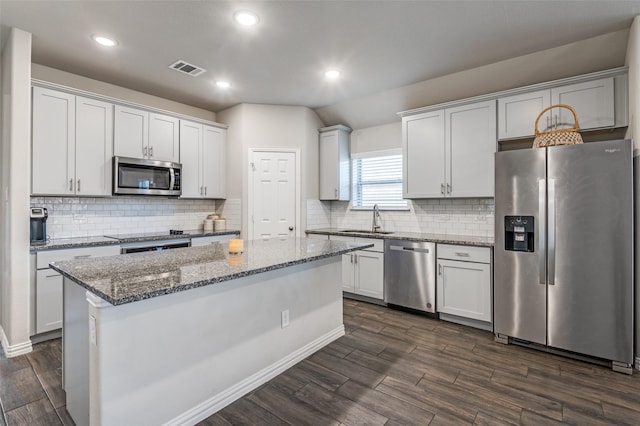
(291, 228)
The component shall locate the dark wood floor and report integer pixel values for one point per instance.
(391, 368)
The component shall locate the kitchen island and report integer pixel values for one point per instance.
(174, 336)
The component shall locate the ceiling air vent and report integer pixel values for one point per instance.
(187, 68)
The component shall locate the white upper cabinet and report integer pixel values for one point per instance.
(141, 134)
(335, 164)
(594, 101)
(449, 153)
(424, 155)
(164, 138)
(72, 148)
(131, 132)
(203, 157)
(470, 132)
(517, 114)
(214, 162)
(53, 142)
(94, 149)
(190, 146)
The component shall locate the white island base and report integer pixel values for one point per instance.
(178, 358)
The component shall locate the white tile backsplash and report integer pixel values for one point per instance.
(231, 210)
(80, 217)
(318, 214)
(469, 216)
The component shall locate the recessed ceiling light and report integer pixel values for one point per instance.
(246, 18)
(104, 40)
(223, 84)
(332, 74)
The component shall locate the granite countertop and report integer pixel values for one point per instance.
(132, 277)
(466, 240)
(77, 242)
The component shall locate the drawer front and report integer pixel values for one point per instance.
(43, 258)
(465, 253)
(378, 245)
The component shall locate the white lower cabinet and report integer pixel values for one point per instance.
(211, 239)
(464, 290)
(47, 309)
(363, 270)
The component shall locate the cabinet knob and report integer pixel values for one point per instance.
(336, 192)
(70, 184)
(144, 151)
(150, 151)
(78, 187)
(448, 188)
(442, 188)
(205, 191)
(291, 228)
(439, 269)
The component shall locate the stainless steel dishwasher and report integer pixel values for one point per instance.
(409, 274)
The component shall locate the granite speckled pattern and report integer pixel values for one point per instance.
(132, 277)
(65, 243)
(466, 240)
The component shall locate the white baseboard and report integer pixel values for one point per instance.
(11, 351)
(226, 397)
(637, 364)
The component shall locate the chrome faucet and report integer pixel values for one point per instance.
(375, 226)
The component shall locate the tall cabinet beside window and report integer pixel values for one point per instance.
(335, 171)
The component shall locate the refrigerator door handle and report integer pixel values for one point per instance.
(551, 219)
(542, 214)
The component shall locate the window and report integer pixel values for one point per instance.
(377, 179)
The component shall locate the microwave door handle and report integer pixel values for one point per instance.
(172, 180)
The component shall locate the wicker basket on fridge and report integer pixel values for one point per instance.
(568, 136)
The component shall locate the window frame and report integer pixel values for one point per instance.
(355, 182)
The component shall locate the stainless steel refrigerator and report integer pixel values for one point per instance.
(563, 273)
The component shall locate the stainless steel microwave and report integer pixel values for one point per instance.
(134, 176)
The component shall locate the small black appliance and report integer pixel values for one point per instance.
(38, 230)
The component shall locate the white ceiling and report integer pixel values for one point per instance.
(378, 45)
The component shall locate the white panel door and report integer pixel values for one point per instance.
(190, 157)
(131, 132)
(593, 101)
(214, 160)
(423, 143)
(370, 274)
(94, 145)
(274, 194)
(517, 114)
(164, 138)
(53, 138)
(471, 145)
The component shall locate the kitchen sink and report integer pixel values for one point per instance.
(366, 231)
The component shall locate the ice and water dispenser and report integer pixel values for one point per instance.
(518, 233)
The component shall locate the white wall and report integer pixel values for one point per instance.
(590, 55)
(15, 184)
(269, 126)
(377, 138)
(53, 75)
(633, 62)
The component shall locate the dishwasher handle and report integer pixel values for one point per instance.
(412, 249)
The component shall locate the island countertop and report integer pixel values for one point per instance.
(132, 277)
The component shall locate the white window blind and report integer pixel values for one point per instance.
(378, 180)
